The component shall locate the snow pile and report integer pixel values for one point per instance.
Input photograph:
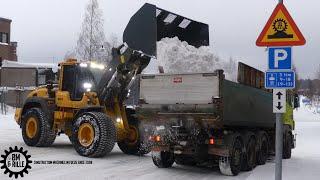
(177, 56)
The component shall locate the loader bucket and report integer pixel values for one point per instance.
(150, 24)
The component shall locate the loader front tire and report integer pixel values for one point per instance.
(134, 144)
(36, 128)
(93, 134)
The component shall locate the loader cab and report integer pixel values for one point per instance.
(77, 78)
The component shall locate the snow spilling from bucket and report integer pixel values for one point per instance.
(177, 56)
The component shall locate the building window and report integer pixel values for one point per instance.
(4, 38)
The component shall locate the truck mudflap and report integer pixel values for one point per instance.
(218, 151)
(159, 148)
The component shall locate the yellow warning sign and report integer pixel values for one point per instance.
(280, 30)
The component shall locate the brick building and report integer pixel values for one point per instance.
(7, 48)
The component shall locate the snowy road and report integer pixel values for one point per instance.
(305, 163)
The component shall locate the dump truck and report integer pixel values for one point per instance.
(87, 102)
(204, 119)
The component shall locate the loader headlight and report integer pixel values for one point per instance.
(87, 86)
(95, 65)
(83, 65)
(118, 120)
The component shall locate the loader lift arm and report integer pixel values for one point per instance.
(119, 75)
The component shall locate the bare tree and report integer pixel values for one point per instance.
(70, 54)
(112, 42)
(91, 38)
(318, 73)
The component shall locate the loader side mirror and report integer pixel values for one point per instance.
(296, 102)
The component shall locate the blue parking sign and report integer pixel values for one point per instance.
(280, 80)
(280, 58)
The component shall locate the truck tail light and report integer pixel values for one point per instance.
(211, 141)
(156, 138)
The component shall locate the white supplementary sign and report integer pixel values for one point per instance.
(279, 101)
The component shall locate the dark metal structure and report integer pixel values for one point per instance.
(150, 24)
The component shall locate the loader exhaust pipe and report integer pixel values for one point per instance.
(150, 24)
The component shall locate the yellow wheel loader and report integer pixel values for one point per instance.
(88, 102)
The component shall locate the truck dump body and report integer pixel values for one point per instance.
(204, 96)
(246, 106)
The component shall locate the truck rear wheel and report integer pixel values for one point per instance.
(36, 128)
(249, 156)
(287, 145)
(163, 159)
(134, 144)
(231, 165)
(93, 134)
(262, 148)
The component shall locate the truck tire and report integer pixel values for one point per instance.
(231, 166)
(249, 156)
(134, 145)
(36, 128)
(93, 134)
(163, 159)
(184, 160)
(262, 148)
(287, 145)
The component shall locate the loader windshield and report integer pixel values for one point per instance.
(90, 73)
(81, 78)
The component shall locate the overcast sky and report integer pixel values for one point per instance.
(46, 29)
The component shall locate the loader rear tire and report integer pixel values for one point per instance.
(36, 128)
(93, 134)
(163, 159)
(135, 144)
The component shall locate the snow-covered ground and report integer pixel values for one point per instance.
(305, 162)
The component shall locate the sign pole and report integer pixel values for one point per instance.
(279, 146)
(279, 34)
(279, 142)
